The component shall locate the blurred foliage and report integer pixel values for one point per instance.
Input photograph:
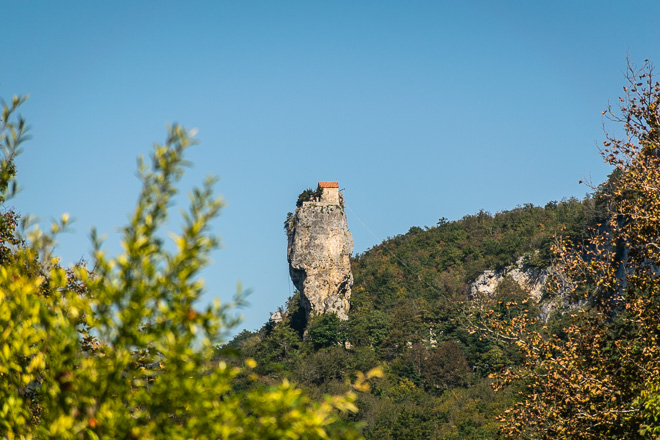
(124, 351)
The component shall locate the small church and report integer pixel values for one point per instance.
(330, 192)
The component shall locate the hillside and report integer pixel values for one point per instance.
(586, 369)
(409, 314)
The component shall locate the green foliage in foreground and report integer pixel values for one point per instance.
(122, 352)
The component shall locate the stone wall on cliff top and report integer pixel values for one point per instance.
(319, 250)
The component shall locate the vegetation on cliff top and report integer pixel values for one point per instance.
(308, 194)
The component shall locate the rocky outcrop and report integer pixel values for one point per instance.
(531, 279)
(319, 250)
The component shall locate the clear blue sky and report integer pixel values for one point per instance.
(420, 109)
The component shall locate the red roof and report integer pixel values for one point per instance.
(329, 184)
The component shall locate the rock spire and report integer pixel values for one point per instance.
(319, 251)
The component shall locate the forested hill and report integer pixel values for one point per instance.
(409, 294)
(441, 260)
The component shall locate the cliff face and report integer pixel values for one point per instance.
(318, 252)
(531, 280)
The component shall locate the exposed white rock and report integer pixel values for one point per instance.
(432, 341)
(530, 279)
(276, 317)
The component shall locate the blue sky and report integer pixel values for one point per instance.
(419, 109)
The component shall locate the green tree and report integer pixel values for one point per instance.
(307, 195)
(125, 352)
(325, 330)
(447, 367)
